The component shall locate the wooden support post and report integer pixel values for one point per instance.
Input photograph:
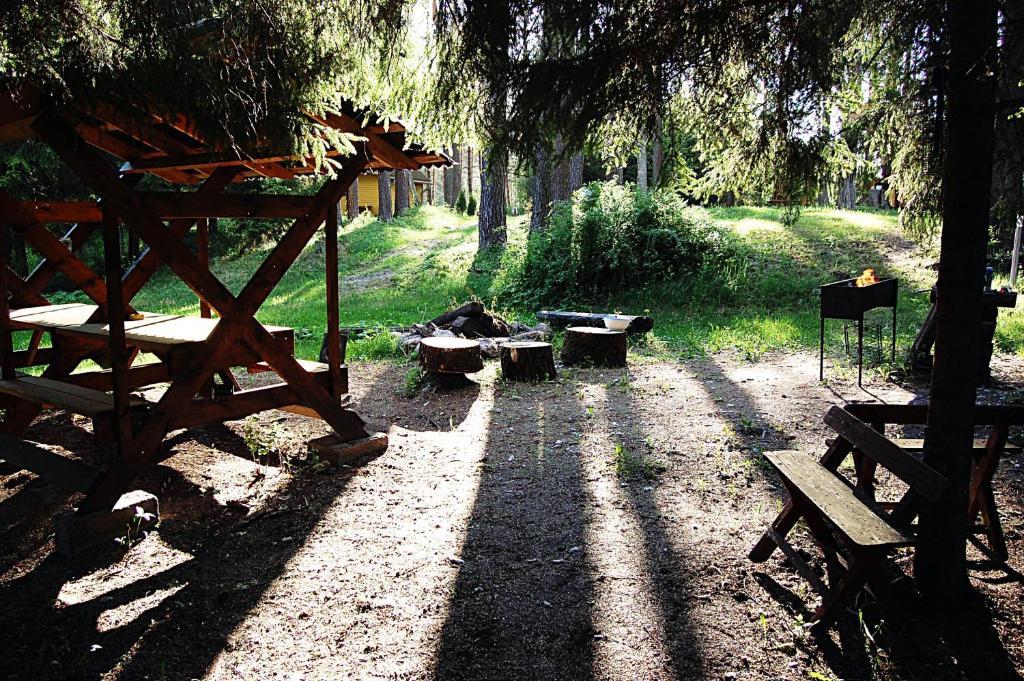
(203, 245)
(6, 341)
(333, 331)
(115, 321)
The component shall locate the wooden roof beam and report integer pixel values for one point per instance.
(175, 205)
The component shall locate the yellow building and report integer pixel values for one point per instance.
(369, 197)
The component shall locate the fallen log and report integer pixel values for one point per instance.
(471, 309)
(561, 318)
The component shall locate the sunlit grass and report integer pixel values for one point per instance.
(412, 269)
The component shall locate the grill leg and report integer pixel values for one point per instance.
(821, 351)
(860, 352)
(893, 334)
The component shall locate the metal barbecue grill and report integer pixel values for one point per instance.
(845, 300)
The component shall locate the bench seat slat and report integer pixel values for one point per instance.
(917, 445)
(67, 396)
(836, 500)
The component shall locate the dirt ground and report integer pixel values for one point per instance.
(591, 528)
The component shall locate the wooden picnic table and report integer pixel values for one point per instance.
(986, 455)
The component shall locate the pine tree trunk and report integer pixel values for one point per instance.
(559, 173)
(657, 156)
(353, 200)
(491, 213)
(575, 172)
(641, 164)
(620, 175)
(848, 192)
(453, 178)
(469, 170)
(403, 188)
(1008, 166)
(541, 194)
(940, 563)
(384, 212)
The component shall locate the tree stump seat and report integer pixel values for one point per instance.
(528, 361)
(587, 345)
(449, 359)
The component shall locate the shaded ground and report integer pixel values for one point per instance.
(594, 527)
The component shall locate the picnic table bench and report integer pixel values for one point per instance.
(854, 533)
(986, 454)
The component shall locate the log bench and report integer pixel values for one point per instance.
(854, 534)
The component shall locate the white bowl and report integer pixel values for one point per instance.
(616, 323)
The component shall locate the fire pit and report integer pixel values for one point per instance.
(849, 299)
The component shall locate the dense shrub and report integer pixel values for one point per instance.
(613, 238)
(471, 205)
(460, 203)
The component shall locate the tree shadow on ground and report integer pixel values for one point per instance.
(674, 571)
(520, 606)
(907, 641)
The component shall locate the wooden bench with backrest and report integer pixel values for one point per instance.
(854, 533)
(985, 454)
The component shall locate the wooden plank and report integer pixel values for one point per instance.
(309, 365)
(337, 451)
(334, 358)
(201, 412)
(116, 328)
(917, 414)
(154, 331)
(917, 445)
(835, 500)
(203, 250)
(138, 376)
(180, 205)
(922, 478)
(63, 472)
(50, 247)
(62, 395)
(6, 337)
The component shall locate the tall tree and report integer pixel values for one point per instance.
(641, 164)
(540, 196)
(352, 198)
(469, 169)
(941, 562)
(491, 223)
(657, 153)
(384, 210)
(453, 178)
(403, 189)
(575, 172)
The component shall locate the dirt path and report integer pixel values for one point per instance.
(595, 527)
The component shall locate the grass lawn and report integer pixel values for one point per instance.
(409, 270)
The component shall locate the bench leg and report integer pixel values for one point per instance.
(785, 521)
(839, 595)
(993, 526)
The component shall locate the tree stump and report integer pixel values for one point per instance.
(450, 359)
(591, 345)
(527, 361)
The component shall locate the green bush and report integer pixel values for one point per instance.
(471, 205)
(460, 203)
(613, 238)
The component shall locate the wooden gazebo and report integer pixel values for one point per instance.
(191, 350)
